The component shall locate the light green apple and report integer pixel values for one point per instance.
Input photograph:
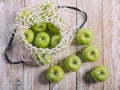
(55, 40)
(55, 74)
(39, 27)
(73, 63)
(44, 60)
(99, 73)
(90, 53)
(24, 14)
(29, 35)
(53, 28)
(45, 6)
(42, 40)
(84, 37)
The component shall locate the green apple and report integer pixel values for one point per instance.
(53, 28)
(84, 37)
(29, 35)
(42, 40)
(24, 14)
(52, 12)
(61, 20)
(55, 40)
(90, 53)
(55, 74)
(99, 73)
(39, 27)
(72, 63)
(45, 6)
(44, 60)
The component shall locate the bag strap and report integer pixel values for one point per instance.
(8, 48)
(82, 13)
(13, 35)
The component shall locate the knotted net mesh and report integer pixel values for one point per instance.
(45, 11)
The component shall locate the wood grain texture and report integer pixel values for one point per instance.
(111, 43)
(10, 75)
(93, 9)
(1, 0)
(103, 21)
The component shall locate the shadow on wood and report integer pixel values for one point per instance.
(62, 64)
(87, 77)
(43, 77)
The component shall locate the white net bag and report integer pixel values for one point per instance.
(47, 12)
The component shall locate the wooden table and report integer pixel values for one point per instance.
(103, 21)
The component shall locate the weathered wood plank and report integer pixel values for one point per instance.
(2, 45)
(111, 28)
(116, 45)
(1, 0)
(94, 11)
(30, 2)
(10, 74)
(69, 81)
(85, 66)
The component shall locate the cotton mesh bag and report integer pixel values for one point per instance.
(47, 12)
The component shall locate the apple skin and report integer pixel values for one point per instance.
(53, 28)
(99, 73)
(73, 63)
(55, 74)
(29, 35)
(55, 40)
(84, 37)
(39, 27)
(90, 53)
(42, 40)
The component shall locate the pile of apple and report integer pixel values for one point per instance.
(47, 35)
(73, 62)
(43, 35)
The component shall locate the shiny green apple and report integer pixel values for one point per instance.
(53, 28)
(29, 35)
(55, 40)
(42, 40)
(100, 73)
(84, 37)
(55, 74)
(90, 53)
(73, 63)
(39, 27)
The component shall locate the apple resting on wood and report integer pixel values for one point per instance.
(55, 74)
